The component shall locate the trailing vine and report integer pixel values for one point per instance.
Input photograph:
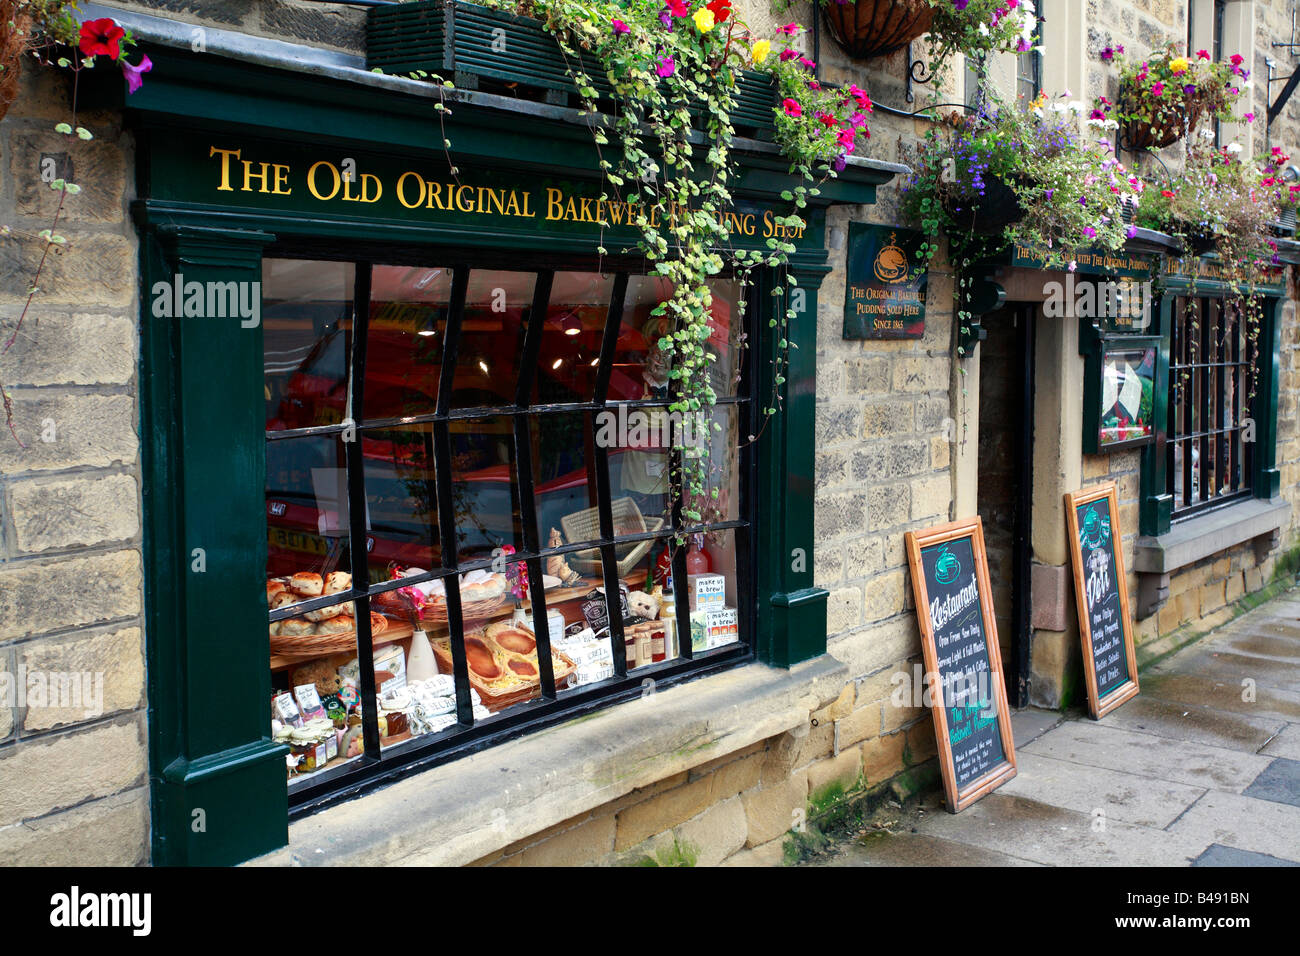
(662, 101)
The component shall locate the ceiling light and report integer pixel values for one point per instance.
(571, 324)
(483, 365)
(557, 363)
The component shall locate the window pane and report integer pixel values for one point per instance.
(306, 511)
(640, 368)
(408, 326)
(485, 488)
(722, 474)
(315, 707)
(564, 472)
(402, 500)
(639, 457)
(585, 611)
(571, 338)
(491, 338)
(307, 341)
(713, 590)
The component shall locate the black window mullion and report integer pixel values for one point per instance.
(528, 515)
(533, 337)
(609, 343)
(357, 516)
(681, 592)
(451, 347)
(1189, 389)
(609, 563)
(446, 511)
(1203, 399)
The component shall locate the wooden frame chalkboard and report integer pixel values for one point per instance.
(954, 609)
(1101, 595)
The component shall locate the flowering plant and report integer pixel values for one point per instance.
(48, 30)
(1218, 201)
(673, 67)
(980, 27)
(1272, 177)
(1070, 191)
(1164, 96)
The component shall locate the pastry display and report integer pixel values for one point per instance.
(335, 619)
(502, 663)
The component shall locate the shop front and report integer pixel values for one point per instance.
(408, 453)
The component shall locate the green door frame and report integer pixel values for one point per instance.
(217, 779)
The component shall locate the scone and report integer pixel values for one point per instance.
(305, 582)
(337, 581)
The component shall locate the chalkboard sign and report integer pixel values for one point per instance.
(1101, 593)
(959, 639)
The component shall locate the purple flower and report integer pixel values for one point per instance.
(1047, 194)
(1023, 45)
(135, 74)
(1083, 200)
(1189, 88)
(666, 18)
(839, 163)
(667, 66)
(960, 4)
(1132, 231)
(620, 27)
(1090, 232)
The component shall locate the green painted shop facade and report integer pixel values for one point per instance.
(237, 162)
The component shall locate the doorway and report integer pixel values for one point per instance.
(1005, 450)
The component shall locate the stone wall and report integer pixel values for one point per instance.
(73, 763)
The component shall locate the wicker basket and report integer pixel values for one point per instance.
(436, 611)
(1137, 135)
(872, 28)
(319, 645)
(585, 526)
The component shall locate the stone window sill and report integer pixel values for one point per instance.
(462, 811)
(1156, 558)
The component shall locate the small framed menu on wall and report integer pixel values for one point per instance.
(963, 667)
(1101, 593)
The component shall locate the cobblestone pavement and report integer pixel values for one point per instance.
(1201, 769)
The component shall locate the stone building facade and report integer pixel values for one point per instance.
(743, 775)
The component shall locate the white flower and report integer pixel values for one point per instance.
(1059, 107)
(1234, 147)
(1208, 133)
(1075, 106)
(984, 29)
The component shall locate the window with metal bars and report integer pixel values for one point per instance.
(492, 428)
(1211, 396)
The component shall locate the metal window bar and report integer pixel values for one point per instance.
(1208, 461)
(312, 793)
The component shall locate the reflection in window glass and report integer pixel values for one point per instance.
(307, 332)
(402, 499)
(408, 326)
(564, 469)
(571, 338)
(485, 488)
(492, 338)
(641, 368)
(306, 508)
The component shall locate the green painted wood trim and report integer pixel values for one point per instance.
(792, 612)
(217, 781)
(1157, 505)
(1268, 478)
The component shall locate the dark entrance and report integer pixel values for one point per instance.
(1006, 422)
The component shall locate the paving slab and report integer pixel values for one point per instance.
(1245, 823)
(1194, 724)
(1215, 693)
(1096, 744)
(917, 849)
(1285, 743)
(1056, 837)
(1218, 855)
(1232, 668)
(1030, 722)
(1280, 782)
(1119, 796)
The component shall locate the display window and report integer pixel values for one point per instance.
(474, 512)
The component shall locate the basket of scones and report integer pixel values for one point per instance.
(481, 594)
(326, 630)
(502, 660)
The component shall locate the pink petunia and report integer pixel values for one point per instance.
(135, 74)
(792, 107)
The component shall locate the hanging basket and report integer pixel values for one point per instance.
(873, 28)
(1197, 242)
(985, 215)
(1139, 134)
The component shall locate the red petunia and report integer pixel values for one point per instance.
(721, 9)
(101, 36)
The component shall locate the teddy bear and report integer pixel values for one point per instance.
(320, 673)
(644, 606)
